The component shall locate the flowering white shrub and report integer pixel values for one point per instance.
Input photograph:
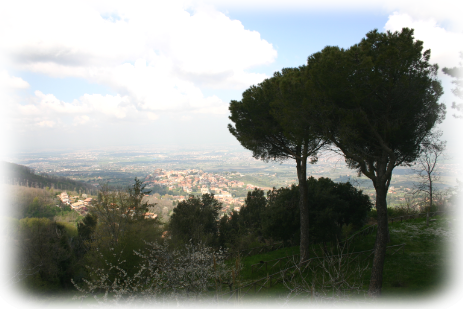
(164, 275)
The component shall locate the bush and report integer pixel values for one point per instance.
(331, 207)
(282, 216)
(195, 219)
(163, 274)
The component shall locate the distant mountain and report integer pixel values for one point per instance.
(16, 174)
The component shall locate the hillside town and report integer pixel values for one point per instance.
(77, 203)
(192, 181)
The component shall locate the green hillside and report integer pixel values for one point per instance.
(16, 174)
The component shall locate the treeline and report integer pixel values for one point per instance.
(26, 202)
(16, 174)
(336, 209)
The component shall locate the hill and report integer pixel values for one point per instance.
(15, 174)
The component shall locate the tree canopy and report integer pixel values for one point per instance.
(195, 220)
(261, 125)
(377, 102)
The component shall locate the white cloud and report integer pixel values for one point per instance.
(445, 45)
(155, 55)
(8, 82)
(431, 20)
(429, 9)
(45, 110)
(80, 120)
(46, 123)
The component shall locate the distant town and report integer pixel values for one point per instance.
(228, 173)
(196, 181)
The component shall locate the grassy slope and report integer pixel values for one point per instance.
(422, 276)
(418, 270)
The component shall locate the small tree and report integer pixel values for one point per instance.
(195, 219)
(252, 211)
(116, 209)
(426, 167)
(85, 230)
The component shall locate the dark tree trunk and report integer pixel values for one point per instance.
(382, 238)
(430, 195)
(303, 207)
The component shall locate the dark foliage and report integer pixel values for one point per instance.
(45, 253)
(281, 219)
(377, 102)
(85, 231)
(195, 219)
(230, 230)
(251, 214)
(333, 205)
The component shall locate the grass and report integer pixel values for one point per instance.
(419, 269)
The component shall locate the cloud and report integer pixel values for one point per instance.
(437, 23)
(80, 120)
(97, 111)
(443, 12)
(157, 55)
(8, 82)
(46, 123)
(445, 45)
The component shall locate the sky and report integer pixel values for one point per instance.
(91, 74)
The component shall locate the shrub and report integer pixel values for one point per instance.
(331, 206)
(163, 275)
(195, 219)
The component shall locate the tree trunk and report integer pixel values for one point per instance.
(382, 238)
(430, 195)
(303, 208)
